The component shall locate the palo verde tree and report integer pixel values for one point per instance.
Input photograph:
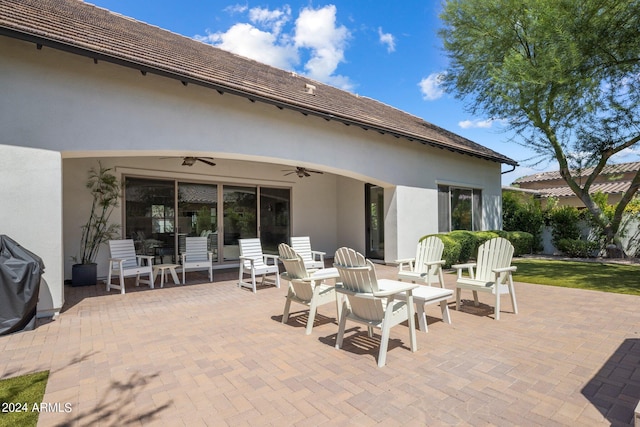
(563, 74)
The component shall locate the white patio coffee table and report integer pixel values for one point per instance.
(162, 270)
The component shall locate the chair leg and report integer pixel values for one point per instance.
(109, 280)
(239, 275)
(422, 317)
(253, 280)
(445, 312)
(313, 307)
(151, 285)
(184, 274)
(287, 306)
(121, 282)
(384, 343)
(497, 314)
(342, 325)
(458, 292)
(441, 277)
(476, 302)
(412, 324)
(512, 292)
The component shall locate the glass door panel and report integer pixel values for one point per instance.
(274, 218)
(240, 218)
(198, 214)
(150, 217)
(374, 201)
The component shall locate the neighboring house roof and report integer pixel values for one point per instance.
(607, 170)
(85, 29)
(606, 188)
(613, 179)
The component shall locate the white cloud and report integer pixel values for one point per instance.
(431, 87)
(249, 41)
(316, 30)
(387, 39)
(236, 8)
(482, 124)
(314, 34)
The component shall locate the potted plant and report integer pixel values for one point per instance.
(105, 190)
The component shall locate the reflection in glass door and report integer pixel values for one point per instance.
(240, 218)
(150, 217)
(198, 214)
(374, 202)
(274, 218)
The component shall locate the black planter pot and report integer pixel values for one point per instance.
(84, 274)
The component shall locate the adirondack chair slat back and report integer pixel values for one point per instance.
(293, 262)
(196, 249)
(251, 248)
(494, 253)
(428, 250)
(124, 249)
(302, 246)
(361, 280)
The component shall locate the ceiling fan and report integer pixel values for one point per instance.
(190, 160)
(301, 171)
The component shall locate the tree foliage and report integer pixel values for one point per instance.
(563, 74)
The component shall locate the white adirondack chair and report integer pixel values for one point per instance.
(370, 305)
(427, 265)
(123, 262)
(196, 257)
(493, 273)
(309, 289)
(255, 263)
(312, 259)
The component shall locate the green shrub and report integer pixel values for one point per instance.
(451, 252)
(522, 212)
(468, 244)
(564, 224)
(522, 242)
(501, 233)
(481, 237)
(576, 248)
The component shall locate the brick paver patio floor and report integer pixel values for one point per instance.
(213, 354)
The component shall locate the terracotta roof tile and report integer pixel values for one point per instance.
(82, 28)
(617, 168)
(605, 187)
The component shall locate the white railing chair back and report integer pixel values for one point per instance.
(306, 288)
(492, 273)
(123, 262)
(367, 304)
(312, 259)
(255, 263)
(196, 257)
(427, 265)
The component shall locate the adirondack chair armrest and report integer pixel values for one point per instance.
(318, 254)
(149, 259)
(505, 269)
(266, 257)
(344, 291)
(210, 255)
(404, 262)
(362, 268)
(250, 259)
(382, 293)
(432, 263)
(116, 260)
(468, 266)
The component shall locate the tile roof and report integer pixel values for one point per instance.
(82, 28)
(604, 187)
(607, 170)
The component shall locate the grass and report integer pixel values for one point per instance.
(18, 396)
(622, 279)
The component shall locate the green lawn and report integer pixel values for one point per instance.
(18, 396)
(623, 279)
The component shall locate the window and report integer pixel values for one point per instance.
(459, 208)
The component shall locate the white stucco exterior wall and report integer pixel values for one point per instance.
(67, 104)
(31, 214)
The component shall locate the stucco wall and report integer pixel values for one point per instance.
(31, 214)
(66, 103)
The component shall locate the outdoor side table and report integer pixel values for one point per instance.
(162, 270)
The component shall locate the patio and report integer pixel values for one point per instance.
(213, 354)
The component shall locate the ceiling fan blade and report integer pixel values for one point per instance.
(205, 161)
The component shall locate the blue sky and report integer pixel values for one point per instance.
(384, 50)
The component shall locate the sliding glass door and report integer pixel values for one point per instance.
(222, 213)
